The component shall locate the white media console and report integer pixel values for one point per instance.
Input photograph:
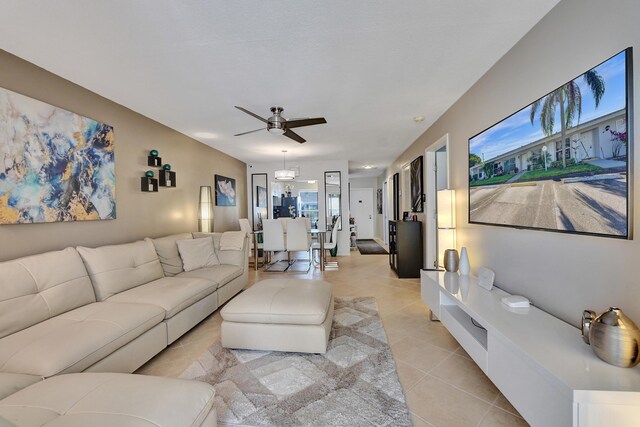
(539, 362)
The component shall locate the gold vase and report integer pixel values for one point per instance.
(613, 336)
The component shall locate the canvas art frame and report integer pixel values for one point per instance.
(379, 201)
(58, 166)
(417, 192)
(225, 190)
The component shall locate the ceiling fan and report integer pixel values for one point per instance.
(281, 126)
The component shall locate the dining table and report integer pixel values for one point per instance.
(315, 232)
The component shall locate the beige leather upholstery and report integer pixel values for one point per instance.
(38, 287)
(11, 383)
(238, 258)
(75, 340)
(173, 294)
(167, 251)
(134, 354)
(281, 315)
(116, 268)
(278, 336)
(101, 400)
(220, 274)
(290, 301)
(190, 316)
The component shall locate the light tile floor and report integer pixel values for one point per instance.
(443, 386)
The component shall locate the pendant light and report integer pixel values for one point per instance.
(285, 174)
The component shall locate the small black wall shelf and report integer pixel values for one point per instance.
(148, 185)
(154, 161)
(167, 178)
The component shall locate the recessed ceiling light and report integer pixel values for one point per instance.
(312, 181)
(204, 135)
(367, 167)
(418, 119)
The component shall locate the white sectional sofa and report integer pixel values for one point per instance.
(105, 309)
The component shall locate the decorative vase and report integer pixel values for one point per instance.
(464, 266)
(613, 337)
(451, 260)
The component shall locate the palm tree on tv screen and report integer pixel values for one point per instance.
(569, 99)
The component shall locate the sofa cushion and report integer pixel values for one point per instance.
(167, 251)
(239, 258)
(220, 274)
(11, 383)
(73, 341)
(38, 287)
(173, 294)
(116, 268)
(105, 399)
(232, 240)
(197, 253)
(283, 301)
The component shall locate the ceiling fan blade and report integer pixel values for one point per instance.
(251, 131)
(291, 134)
(305, 122)
(251, 114)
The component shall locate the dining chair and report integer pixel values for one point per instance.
(272, 237)
(297, 237)
(330, 245)
(245, 226)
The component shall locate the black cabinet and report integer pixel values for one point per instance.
(405, 248)
(288, 208)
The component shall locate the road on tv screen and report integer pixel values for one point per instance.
(596, 206)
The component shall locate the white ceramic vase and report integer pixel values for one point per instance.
(463, 267)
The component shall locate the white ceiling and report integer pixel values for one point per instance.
(367, 66)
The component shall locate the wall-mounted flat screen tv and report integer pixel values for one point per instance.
(562, 162)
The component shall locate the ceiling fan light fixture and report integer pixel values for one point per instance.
(276, 131)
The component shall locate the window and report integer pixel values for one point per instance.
(308, 201)
(510, 165)
(567, 150)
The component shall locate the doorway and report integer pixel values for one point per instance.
(437, 178)
(362, 211)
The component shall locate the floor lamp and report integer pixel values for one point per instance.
(446, 222)
(205, 210)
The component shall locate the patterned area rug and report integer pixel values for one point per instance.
(354, 384)
(370, 247)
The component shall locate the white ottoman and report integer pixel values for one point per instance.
(280, 315)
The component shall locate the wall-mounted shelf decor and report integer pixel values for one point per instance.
(167, 176)
(153, 159)
(148, 183)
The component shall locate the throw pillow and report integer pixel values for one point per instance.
(197, 253)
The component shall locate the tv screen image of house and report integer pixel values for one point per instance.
(534, 170)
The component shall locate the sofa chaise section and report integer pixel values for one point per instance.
(50, 322)
(103, 399)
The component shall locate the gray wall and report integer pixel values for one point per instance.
(562, 274)
(171, 210)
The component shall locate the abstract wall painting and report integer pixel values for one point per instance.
(225, 191)
(379, 201)
(55, 165)
(417, 198)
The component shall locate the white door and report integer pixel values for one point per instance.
(362, 211)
